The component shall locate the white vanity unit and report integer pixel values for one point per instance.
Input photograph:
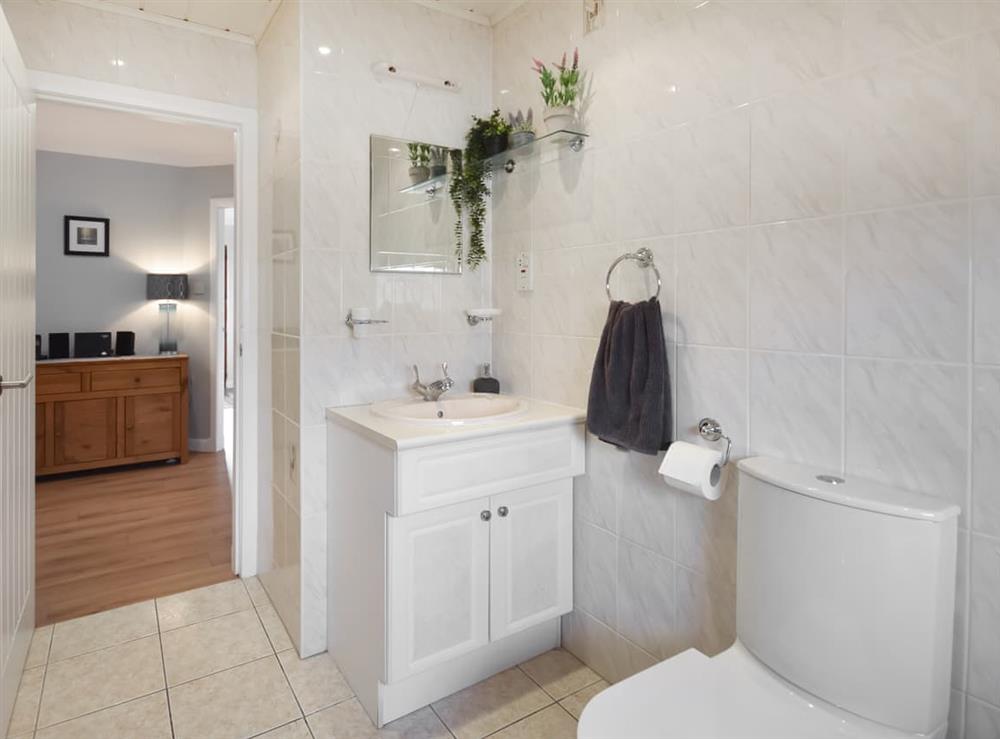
(450, 543)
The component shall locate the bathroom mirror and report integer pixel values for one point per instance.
(412, 216)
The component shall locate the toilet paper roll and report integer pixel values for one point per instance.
(693, 469)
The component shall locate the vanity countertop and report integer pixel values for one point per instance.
(399, 435)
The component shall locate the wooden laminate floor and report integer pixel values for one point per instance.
(115, 537)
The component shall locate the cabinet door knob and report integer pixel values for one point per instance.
(503, 511)
(485, 515)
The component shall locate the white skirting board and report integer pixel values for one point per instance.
(203, 445)
(417, 691)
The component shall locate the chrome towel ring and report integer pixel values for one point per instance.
(645, 259)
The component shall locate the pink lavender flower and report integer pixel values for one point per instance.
(576, 58)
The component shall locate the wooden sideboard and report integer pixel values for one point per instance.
(110, 411)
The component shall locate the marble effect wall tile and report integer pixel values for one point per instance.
(986, 280)
(906, 426)
(907, 287)
(796, 286)
(797, 159)
(907, 129)
(985, 442)
(712, 172)
(712, 288)
(646, 599)
(594, 565)
(984, 613)
(647, 508)
(796, 408)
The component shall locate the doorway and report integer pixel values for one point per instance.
(134, 497)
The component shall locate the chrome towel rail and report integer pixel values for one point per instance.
(645, 259)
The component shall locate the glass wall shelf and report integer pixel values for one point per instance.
(508, 158)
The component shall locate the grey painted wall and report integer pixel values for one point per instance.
(159, 223)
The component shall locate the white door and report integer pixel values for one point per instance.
(439, 587)
(17, 399)
(531, 563)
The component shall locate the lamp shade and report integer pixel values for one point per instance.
(166, 287)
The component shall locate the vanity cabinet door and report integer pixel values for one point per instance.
(531, 567)
(438, 596)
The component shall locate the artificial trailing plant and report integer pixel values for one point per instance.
(469, 188)
(561, 88)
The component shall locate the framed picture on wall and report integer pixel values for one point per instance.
(87, 237)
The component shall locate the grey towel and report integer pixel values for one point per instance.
(629, 404)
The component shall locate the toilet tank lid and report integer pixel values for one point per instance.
(851, 491)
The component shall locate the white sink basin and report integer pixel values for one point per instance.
(454, 410)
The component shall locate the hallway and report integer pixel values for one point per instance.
(109, 539)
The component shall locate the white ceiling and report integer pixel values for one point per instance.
(246, 20)
(487, 12)
(97, 132)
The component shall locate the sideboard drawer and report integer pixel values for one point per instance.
(55, 383)
(136, 378)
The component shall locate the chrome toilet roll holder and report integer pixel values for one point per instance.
(711, 430)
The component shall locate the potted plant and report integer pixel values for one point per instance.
(522, 129)
(560, 91)
(468, 187)
(420, 157)
(492, 131)
(439, 160)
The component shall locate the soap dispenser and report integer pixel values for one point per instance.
(485, 383)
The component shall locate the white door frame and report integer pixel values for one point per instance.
(63, 88)
(217, 346)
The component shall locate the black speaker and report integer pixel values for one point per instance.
(38, 347)
(58, 346)
(124, 343)
(92, 344)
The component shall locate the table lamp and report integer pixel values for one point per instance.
(168, 289)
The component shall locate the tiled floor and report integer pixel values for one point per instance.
(217, 663)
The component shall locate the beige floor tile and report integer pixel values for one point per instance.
(492, 704)
(422, 724)
(100, 630)
(348, 720)
(147, 718)
(38, 652)
(101, 679)
(258, 596)
(211, 646)
(294, 730)
(550, 723)
(276, 630)
(29, 693)
(244, 701)
(316, 681)
(559, 673)
(202, 604)
(575, 703)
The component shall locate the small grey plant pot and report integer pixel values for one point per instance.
(419, 174)
(521, 138)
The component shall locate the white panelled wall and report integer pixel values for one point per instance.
(17, 405)
(819, 182)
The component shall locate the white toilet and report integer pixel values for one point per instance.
(844, 622)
